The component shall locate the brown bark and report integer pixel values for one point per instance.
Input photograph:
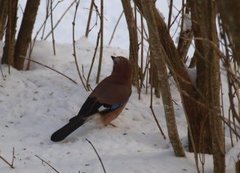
(101, 31)
(8, 50)
(229, 11)
(177, 68)
(208, 80)
(3, 17)
(200, 29)
(25, 33)
(132, 29)
(184, 43)
(186, 35)
(237, 166)
(157, 58)
(154, 80)
(193, 102)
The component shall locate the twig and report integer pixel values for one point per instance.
(89, 19)
(156, 120)
(42, 27)
(53, 39)
(94, 56)
(96, 18)
(87, 84)
(97, 154)
(151, 107)
(50, 69)
(170, 14)
(47, 15)
(46, 18)
(60, 19)
(74, 46)
(114, 30)
(9, 164)
(229, 125)
(43, 161)
(13, 156)
(174, 20)
(101, 43)
(96, 9)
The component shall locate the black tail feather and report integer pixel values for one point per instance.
(89, 107)
(66, 130)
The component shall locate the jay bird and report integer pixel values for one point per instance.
(112, 94)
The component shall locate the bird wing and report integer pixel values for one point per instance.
(112, 91)
(109, 93)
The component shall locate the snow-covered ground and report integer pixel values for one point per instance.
(35, 103)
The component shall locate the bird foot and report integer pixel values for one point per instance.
(113, 125)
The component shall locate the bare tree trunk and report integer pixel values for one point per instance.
(208, 80)
(25, 33)
(237, 166)
(89, 19)
(3, 17)
(202, 134)
(157, 56)
(186, 35)
(229, 11)
(101, 41)
(177, 68)
(132, 29)
(8, 50)
(193, 102)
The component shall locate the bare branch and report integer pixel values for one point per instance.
(74, 46)
(101, 43)
(52, 29)
(89, 19)
(104, 170)
(43, 161)
(114, 30)
(50, 69)
(9, 164)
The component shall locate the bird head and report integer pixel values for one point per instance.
(122, 67)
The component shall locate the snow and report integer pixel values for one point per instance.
(187, 24)
(35, 103)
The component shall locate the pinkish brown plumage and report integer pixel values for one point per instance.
(112, 93)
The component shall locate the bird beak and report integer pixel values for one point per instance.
(113, 58)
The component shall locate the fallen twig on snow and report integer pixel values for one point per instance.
(13, 157)
(43, 161)
(39, 63)
(97, 154)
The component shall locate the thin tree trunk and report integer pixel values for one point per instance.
(101, 41)
(229, 11)
(176, 66)
(157, 54)
(89, 19)
(237, 166)
(25, 33)
(8, 50)
(216, 126)
(3, 17)
(202, 134)
(208, 80)
(195, 109)
(132, 29)
(186, 35)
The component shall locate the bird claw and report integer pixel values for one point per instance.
(113, 125)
